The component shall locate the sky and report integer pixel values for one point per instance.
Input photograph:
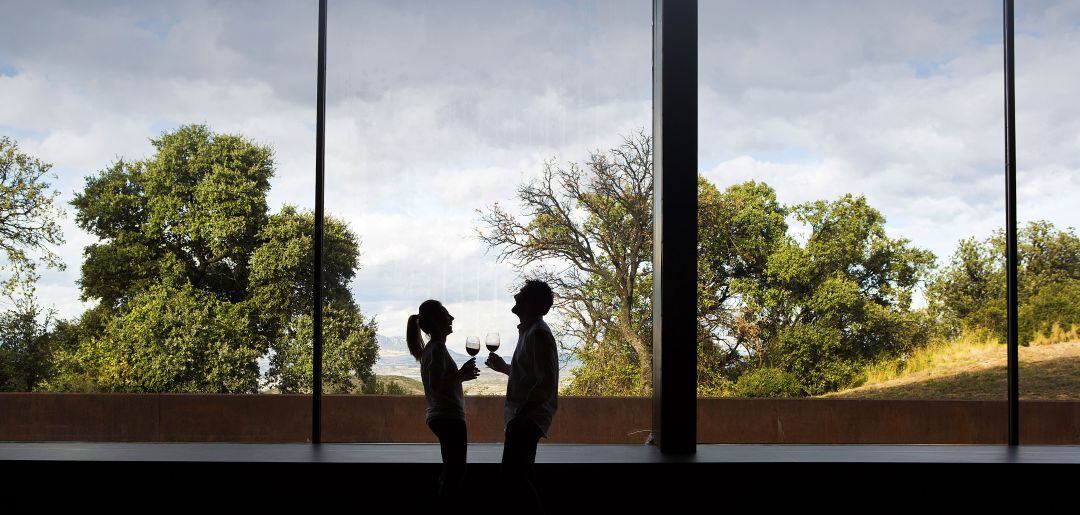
(437, 109)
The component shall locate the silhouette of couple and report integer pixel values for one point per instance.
(531, 394)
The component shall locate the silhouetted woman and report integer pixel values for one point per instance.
(442, 388)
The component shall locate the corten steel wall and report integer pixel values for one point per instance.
(864, 421)
(129, 417)
(351, 418)
(361, 418)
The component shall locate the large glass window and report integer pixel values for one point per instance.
(179, 139)
(156, 167)
(1048, 179)
(850, 169)
(471, 145)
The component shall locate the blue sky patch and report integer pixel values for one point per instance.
(928, 66)
(7, 69)
(161, 126)
(990, 37)
(159, 27)
(21, 135)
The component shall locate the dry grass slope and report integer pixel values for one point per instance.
(974, 367)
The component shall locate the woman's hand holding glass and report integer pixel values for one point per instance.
(469, 371)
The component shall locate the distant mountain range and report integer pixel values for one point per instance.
(394, 352)
(395, 360)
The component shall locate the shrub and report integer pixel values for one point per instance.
(769, 382)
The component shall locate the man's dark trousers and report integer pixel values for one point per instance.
(519, 455)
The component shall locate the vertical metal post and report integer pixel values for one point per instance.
(320, 162)
(1010, 229)
(675, 152)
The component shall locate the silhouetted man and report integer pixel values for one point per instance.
(531, 391)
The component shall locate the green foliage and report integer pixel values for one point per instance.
(592, 223)
(29, 228)
(281, 271)
(1055, 308)
(25, 347)
(388, 386)
(29, 218)
(194, 209)
(607, 369)
(714, 370)
(970, 291)
(195, 280)
(816, 309)
(738, 230)
(347, 354)
(282, 265)
(175, 338)
(1048, 280)
(768, 382)
(70, 372)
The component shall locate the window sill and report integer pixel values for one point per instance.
(553, 454)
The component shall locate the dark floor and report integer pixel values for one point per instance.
(400, 478)
(547, 454)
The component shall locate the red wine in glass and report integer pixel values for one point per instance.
(472, 345)
(492, 341)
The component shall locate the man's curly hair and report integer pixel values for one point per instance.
(539, 294)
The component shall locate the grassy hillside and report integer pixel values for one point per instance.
(975, 368)
(411, 386)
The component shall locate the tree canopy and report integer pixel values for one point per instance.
(29, 217)
(195, 280)
(29, 229)
(970, 291)
(807, 312)
(591, 225)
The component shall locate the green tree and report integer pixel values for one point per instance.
(1048, 279)
(802, 315)
(29, 229)
(843, 298)
(738, 229)
(29, 217)
(969, 293)
(195, 279)
(199, 203)
(587, 230)
(347, 358)
(25, 350)
(768, 382)
(778, 311)
(282, 267)
(175, 338)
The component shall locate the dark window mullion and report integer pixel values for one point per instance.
(1010, 227)
(675, 155)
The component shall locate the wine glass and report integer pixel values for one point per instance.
(472, 345)
(492, 341)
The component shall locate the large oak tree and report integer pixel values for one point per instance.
(777, 315)
(195, 280)
(29, 231)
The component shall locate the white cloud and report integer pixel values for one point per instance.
(902, 103)
(437, 109)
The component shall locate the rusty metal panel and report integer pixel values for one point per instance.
(120, 417)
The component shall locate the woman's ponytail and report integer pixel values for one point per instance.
(429, 312)
(412, 337)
